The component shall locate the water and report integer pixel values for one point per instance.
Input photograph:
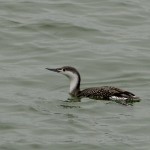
(107, 41)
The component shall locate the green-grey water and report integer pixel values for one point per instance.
(108, 41)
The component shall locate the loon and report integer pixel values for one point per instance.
(98, 93)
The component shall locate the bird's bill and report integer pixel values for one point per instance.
(54, 70)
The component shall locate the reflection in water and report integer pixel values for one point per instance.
(74, 99)
(124, 102)
(69, 106)
(69, 103)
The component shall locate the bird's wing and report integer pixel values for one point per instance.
(104, 92)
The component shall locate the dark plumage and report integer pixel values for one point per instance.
(105, 93)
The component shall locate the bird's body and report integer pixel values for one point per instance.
(98, 93)
(106, 93)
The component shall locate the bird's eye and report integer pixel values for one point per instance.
(63, 70)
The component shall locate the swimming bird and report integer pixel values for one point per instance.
(98, 93)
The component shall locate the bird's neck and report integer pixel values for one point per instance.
(75, 85)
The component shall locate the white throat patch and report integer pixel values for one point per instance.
(73, 79)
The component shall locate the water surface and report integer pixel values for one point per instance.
(107, 41)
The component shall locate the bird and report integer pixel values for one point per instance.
(97, 93)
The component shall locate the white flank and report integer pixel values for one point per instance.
(117, 98)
